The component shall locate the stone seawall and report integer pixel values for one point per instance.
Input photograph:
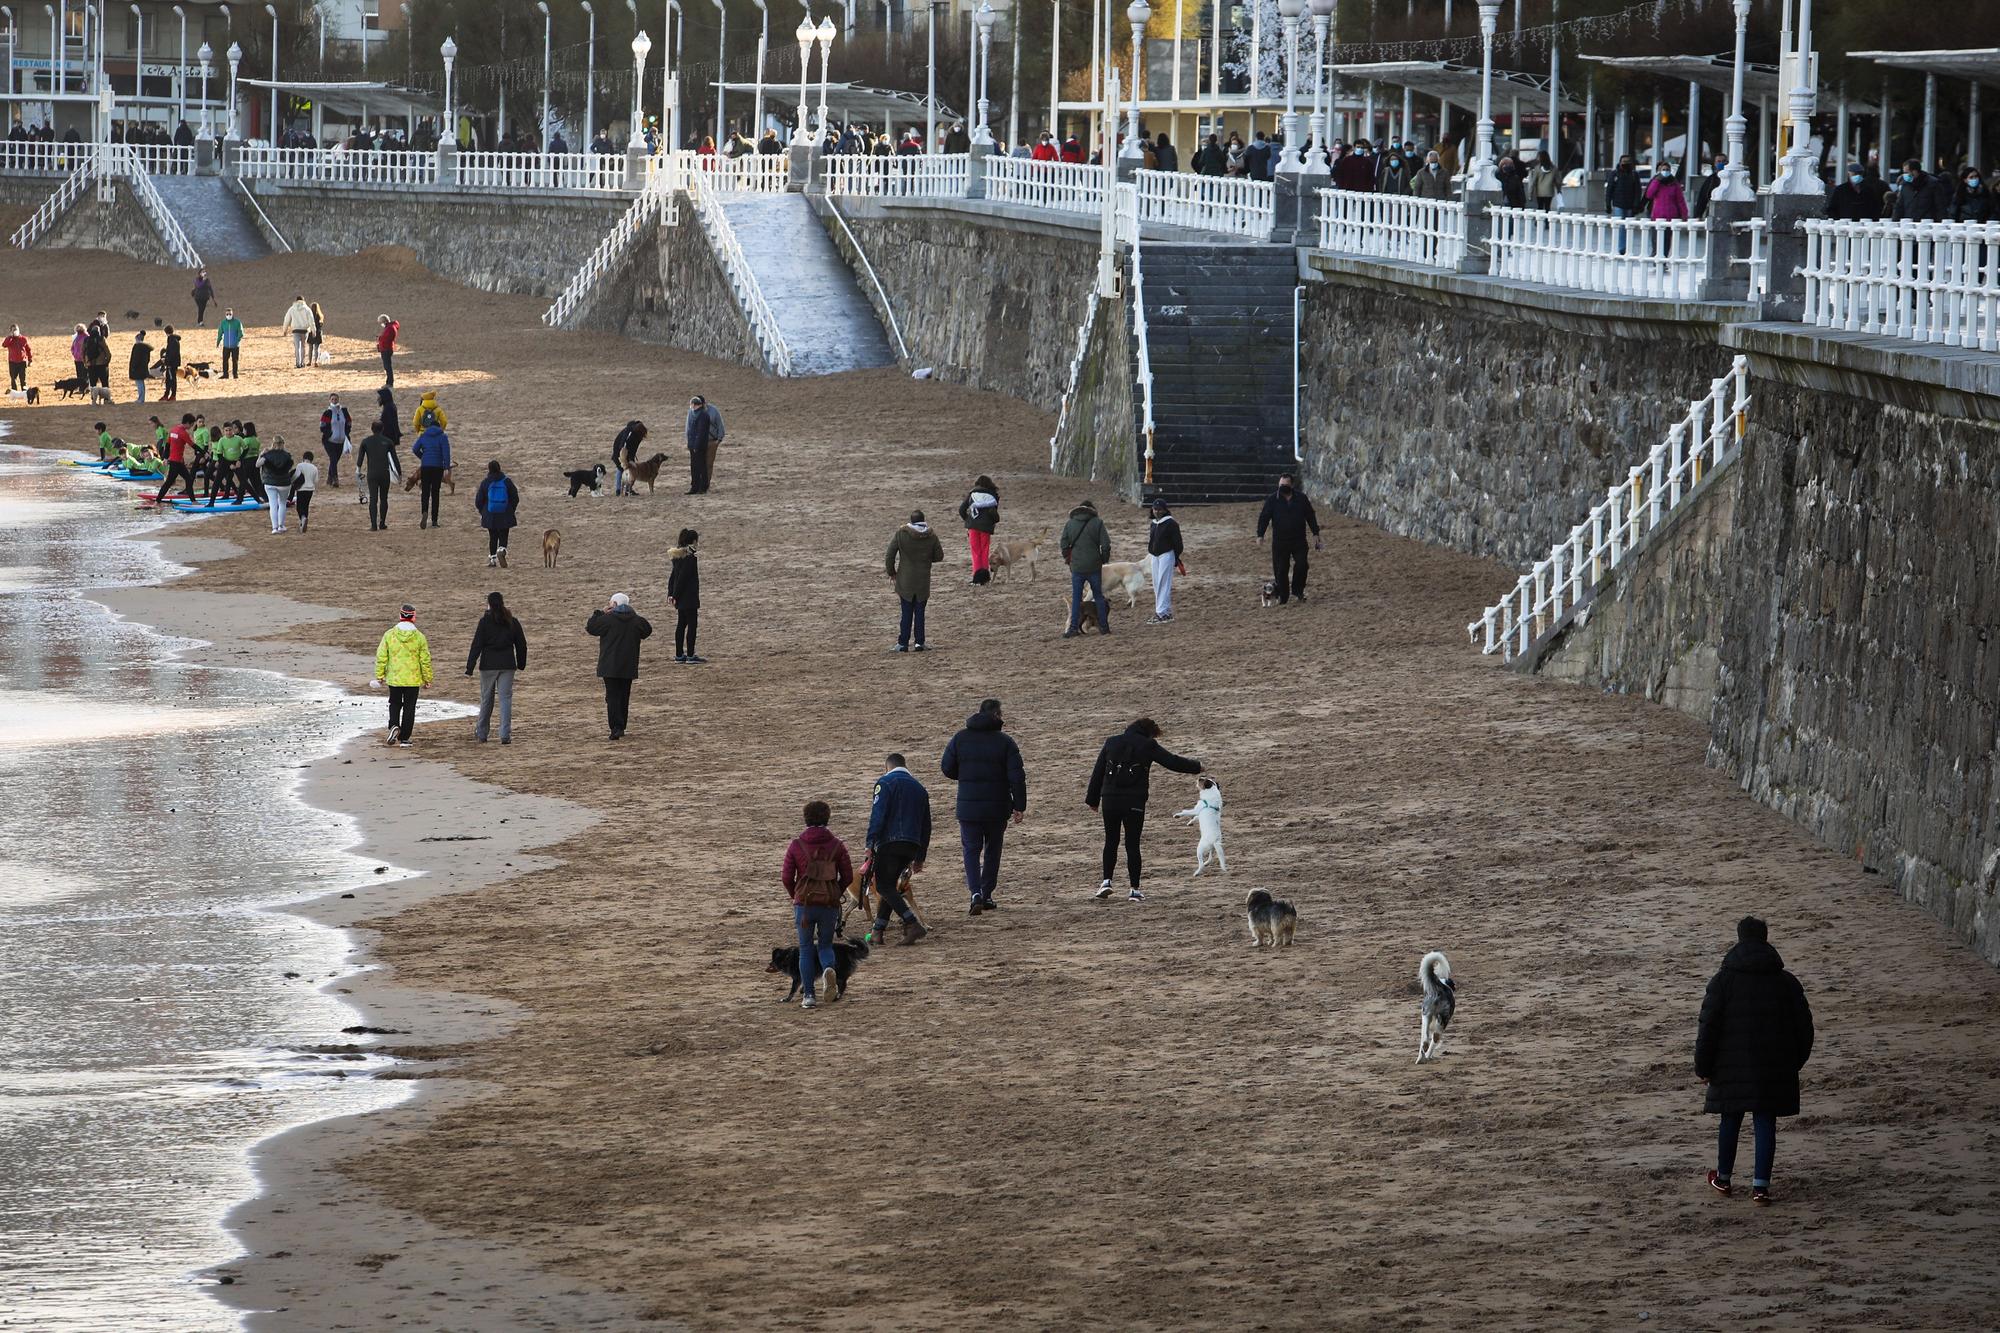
(671, 290)
(121, 226)
(1097, 437)
(528, 244)
(1483, 416)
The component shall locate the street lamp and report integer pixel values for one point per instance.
(235, 59)
(1288, 17)
(1138, 14)
(449, 50)
(8, 11)
(721, 70)
(763, 45)
(590, 80)
(930, 84)
(1736, 176)
(824, 33)
(272, 10)
(205, 55)
(1322, 14)
(983, 20)
(1801, 175)
(548, 34)
(670, 68)
(1484, 177)
(641, 44)
(804, 33)
(180, 70)
(138, 58)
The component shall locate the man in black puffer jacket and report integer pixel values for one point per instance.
(1756, 1035)
(992, 788)
(1121, 782)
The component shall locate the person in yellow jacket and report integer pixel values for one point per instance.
(403, 663)
(429, 414)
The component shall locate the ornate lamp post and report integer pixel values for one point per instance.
(1801, 173)
(205, 55)
(235, 59)
(1484, 175)
(721, 71)
(272, 10)
(590, 80)
(450, 53)
(763, 45)
(1138, 14)
(983, 20)
(641, 44)
(1736, 176)
(824, 35)
(1322, 12)
(180, 69)
(548, 36)
(801, 136)
(1288, 15)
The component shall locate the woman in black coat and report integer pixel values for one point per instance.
(1756, 1034)
(497, 500)
(499, 649)
(1121, 783)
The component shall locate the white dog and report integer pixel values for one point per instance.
(1206, 812)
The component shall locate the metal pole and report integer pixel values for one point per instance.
(548, 40)
(1483, 176)
(1691, 141)
(1289, 159)
(1974, 142)
(763, 45)
(1137, 14)
(1734, 186)
(971, 69)
(180, 71)
(590, 81)
(1930, 122)
(1055, 67)
(1801, 174)
(801, 134)
(930, 83)
(1178, 25)
(1014, 75)
(272, 10)
(1840, 132)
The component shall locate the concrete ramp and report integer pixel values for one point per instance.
(217, 224)
(827, 324)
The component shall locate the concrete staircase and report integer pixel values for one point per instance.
(1219, 337)
(215, 220)
(826, 322)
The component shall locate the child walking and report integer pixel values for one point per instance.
(817, 868)
(684, 595)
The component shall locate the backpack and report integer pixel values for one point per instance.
(1125, 769)
(714, 424)
(819, 881)
(496, 496)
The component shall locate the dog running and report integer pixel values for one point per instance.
(1206, 812)
(70, 388)
(847, 955)
(551, 547)
(1272, 920)
(591, 479)
(1440, 998)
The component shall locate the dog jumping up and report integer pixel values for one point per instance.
(1440, 998)
(648, 472)
(1206, 812)
(551, 548)
(586, 478)
(1272, 920)
(847, 955)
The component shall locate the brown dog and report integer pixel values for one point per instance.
(1008, 555)
(551, 548)
(648, 472)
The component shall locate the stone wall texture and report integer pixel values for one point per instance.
(526, 244)
(1443, 411)
(121, 226)
(671, 290)
(1098, 437)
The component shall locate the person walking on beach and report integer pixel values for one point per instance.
(170, 367)
(374, 466)
(229, 337)
(433, 451)
(899, 838)
(497, 500)
(624, 453)
(336, 430)
(912, 552)
(19, 356)
(305, 481)
(385, 343)
(1119, 786)
(619, 630)
(684, 595)
(1289, 516)
(992, 790)
(1163, 547)
(700, 427)
(275, 470)
(203, 293)
(1085, 547)
(1755, 1035)
(403, 663)
(817, 868)
(79, 354)
(980, 512)
(139, 368)
(180, 439)
(499, 649)
(298, 322)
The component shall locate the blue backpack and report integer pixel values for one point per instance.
(496, 496)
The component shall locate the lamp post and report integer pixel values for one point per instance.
(982, 19)
(138, 56)
(763, 45)
(1288, 17)
(721, 71)
(590, 80)
(364, 50)
(235, 59)
(449, 50)
(272, 10)
(1055, 66)
(180, 70)
(1801, 173)
(1138, 14)
(7, 11)
(1322, 14)
(824, 35)
(930, 85)
(800, 137)
(1484, 176)
(58, 25)
(548, 35)
(641, 44)
(1014, 75)
(670, 67)
(1735, 186)
(205, 55)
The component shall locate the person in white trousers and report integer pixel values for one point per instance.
(1163, 546)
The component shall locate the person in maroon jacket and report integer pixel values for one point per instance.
(385, 343)
(817, 869)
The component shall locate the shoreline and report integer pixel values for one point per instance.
(309, 1236)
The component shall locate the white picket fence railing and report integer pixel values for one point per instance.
(749, 173)
(1397, 227)
(1710, 436)
(912, 176)
(56, 204)
(1233, 204)
(1063, 187)
(131, 165)
(33, 158)
(572, 173)
(1930, 282)
(336, 166)
(763, 324)
(606, 257)
(1591, 253)
(161, 159)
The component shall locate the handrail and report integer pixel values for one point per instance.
(1929, 282)
(56, 204)
(179, 248)
(1398, 227)
(601, 173)
(1065, 187)
(887, 310)
(753, 173)
(1145, 350)
(1593, 253)
(1075, 372)
(270, 227)
(1231, 204)
(1708, 437)
(763, 324)
(623, 234)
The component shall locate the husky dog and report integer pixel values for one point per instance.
(1434, 974)
(1272, 920)
(1206, 812)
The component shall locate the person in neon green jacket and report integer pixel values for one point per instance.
(403, 663)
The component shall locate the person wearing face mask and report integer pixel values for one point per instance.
(1862, 197)
(1288, 515)
(1431, 180)
(1543, 183)
(1702, 187)
(1395, 175)
(1356, 171)
(1972, 202)
(1919, 196)
(1666, 201)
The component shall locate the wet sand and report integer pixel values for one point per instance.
(1068, 1113)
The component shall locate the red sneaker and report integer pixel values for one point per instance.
(1760, 1194)
(1718, 1184)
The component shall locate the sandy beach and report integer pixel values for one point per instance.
(1068, 1113)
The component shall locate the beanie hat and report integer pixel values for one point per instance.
(1750, 930)
(620, 599)
(409, 612)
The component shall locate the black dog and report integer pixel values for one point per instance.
(34, 396)
(69, 388)
(586, 477)
(846, 957)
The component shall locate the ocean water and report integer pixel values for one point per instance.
(156, 1015)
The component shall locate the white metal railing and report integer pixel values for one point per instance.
(603, 173)
(763, 324)
(1709, 436)
(157, 159)
(606, 257)
(912, 176)
(749, 173)
(131, 166)
(1234, 204)
(1075, 373)
(1397, 227)
(1592, 253)
(1139, 330)
(34, 158)
(249, 196)
(336, 166)
(1064, 187)
(1931, 282)
(56, 204)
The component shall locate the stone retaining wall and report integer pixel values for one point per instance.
(671, 290)
(120, 226)
(1097, 437)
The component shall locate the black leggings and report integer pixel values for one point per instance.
(429, 480)
(685, 625)
(1132, 820)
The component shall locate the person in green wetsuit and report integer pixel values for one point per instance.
(106, 445)
(222, 477)
(249, 484)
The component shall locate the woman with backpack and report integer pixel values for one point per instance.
(497, 501)
(499, 649)
(980, 511)
(1119, 786)
(817, 869)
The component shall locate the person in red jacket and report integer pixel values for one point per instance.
(817, 869)
(1045, 148)
(180, 439)
(1072, 151)
(19, 354)
(385, 343)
